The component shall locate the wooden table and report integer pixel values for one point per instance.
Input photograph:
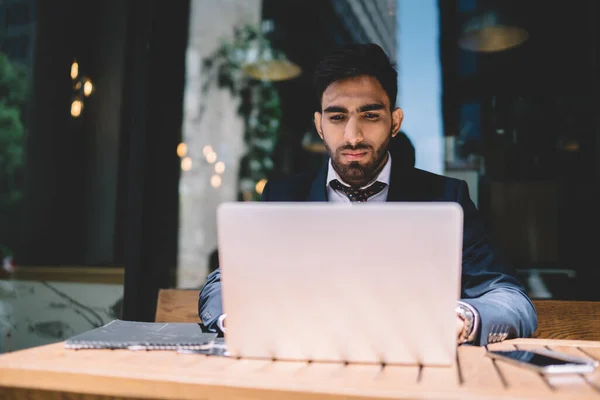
(51, 372)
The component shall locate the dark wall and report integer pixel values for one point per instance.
(535, 101)
(105, 51)
(72, 168)
(53, 202)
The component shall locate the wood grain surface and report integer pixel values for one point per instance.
(574, 320)
(177, 305)
(71, 374)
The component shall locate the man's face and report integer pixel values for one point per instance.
(356, 124)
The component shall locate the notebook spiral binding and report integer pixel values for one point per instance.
(136, 346)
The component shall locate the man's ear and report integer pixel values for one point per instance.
(397, 117)
(317, 121)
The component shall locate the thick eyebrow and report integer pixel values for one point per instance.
(371, 107)
(361, 109)
(335, 109)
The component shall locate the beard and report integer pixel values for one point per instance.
(359, 173)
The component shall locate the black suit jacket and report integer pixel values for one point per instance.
(488, 283)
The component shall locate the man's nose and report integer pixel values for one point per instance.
(353, 134)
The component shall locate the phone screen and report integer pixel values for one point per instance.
(536, 359)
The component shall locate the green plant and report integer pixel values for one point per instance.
(13, 94)
(259, 104)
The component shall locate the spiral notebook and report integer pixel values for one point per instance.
(133, 335)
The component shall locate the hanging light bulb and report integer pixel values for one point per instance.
(220, 167)
(207, 150)
(83, 87)
(263, 63)
(74, 70)
(88, 87)
(76, 108)
(490, 32)
(211, 157)
(215, 181)
(186, 164)
(182, 149)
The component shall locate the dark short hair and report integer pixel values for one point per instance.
(355, 60)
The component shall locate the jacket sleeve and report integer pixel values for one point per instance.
(209, 303)
(489, 284)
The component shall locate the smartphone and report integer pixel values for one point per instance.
(546, 361)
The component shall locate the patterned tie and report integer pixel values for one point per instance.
(358, 195)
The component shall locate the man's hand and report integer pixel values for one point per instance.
(460, 325)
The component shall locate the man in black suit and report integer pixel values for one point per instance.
(357, 120)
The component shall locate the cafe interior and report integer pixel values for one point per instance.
(124, 124)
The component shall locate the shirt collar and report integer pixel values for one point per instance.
(383, 177)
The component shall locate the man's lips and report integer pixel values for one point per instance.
(354, 155)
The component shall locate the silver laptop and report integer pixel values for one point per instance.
(365, 283)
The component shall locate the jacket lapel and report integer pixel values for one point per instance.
(400, 184)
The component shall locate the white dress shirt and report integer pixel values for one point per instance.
(384, 177)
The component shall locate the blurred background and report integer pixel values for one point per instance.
(125, 123)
